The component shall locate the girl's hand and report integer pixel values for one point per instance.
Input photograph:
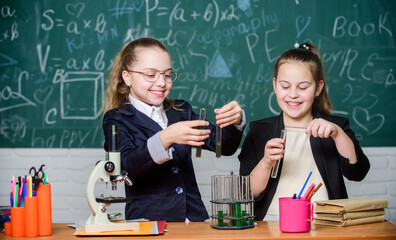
(231, 113)
(273, 151)
(322, 128)
(186, 132)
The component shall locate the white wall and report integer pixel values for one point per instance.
(68, 171)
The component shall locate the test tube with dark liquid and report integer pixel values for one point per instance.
(275, 168)
(218, 141)
(202, 116)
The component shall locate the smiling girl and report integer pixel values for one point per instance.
(317, 141)
(156, 134)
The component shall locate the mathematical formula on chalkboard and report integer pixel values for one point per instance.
(55, 59)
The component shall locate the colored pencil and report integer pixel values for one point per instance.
(299, 195)
(316, 189)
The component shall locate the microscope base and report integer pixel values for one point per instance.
(110, 227)
(101, 223)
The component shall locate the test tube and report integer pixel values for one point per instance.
(202, 116)
(220, 221)
(238, 214)
(275, 168)
(218, 141)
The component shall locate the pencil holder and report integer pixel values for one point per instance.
(232, 202)
(17, 222)
(7, 228)
(295, 215)
(31, 219)
(44, 209)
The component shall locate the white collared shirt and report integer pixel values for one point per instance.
(154, 112)
(157, 151)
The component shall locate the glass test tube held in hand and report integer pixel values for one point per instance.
(218, 141)
(202, 116)
(275, 168)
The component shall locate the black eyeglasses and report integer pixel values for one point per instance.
(153, 75)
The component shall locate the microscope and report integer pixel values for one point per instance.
(107, 171)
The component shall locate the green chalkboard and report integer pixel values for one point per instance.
(55, 58)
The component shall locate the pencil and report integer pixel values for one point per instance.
(309, 190)
(314, 191)
(13, 185)
(29, 186)
(299, 195)
(16, 195)
(20, 194)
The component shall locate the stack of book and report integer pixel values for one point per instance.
(347, 212)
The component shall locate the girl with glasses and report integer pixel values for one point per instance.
(156, 134)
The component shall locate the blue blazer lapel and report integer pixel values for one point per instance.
(139, 118)
(175, 116)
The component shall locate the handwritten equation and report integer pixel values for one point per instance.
(55, 60)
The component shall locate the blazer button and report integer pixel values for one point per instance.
(175, 170)
(179, 190)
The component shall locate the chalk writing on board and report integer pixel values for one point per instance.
(75, 107)
(11, 98)
(371, 123)
(13, 128)
(55, 60)
(218, 67)
(6, 61)
(353, 28)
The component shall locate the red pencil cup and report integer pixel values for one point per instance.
(31, 219)
(295, 215)
(44, 209)
(18, 222)
(7, 228)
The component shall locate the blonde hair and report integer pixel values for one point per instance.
(117, 91)
(309, 55)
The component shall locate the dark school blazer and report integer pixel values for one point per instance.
(331, 165)
(167, 191)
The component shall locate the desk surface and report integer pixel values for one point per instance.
(263, 230)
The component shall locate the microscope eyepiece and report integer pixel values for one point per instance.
(114, 139)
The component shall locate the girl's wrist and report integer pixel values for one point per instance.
(338, 133)
(265, 164)
(164, 140)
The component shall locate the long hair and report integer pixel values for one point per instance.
(309, 55)
(117, 91)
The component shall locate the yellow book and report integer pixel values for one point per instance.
(350, 222)
(349, 215)
(350, 205)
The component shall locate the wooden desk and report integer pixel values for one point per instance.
(263, 230)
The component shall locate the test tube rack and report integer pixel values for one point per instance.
(232, 202)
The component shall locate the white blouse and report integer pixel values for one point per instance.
(298, 162)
